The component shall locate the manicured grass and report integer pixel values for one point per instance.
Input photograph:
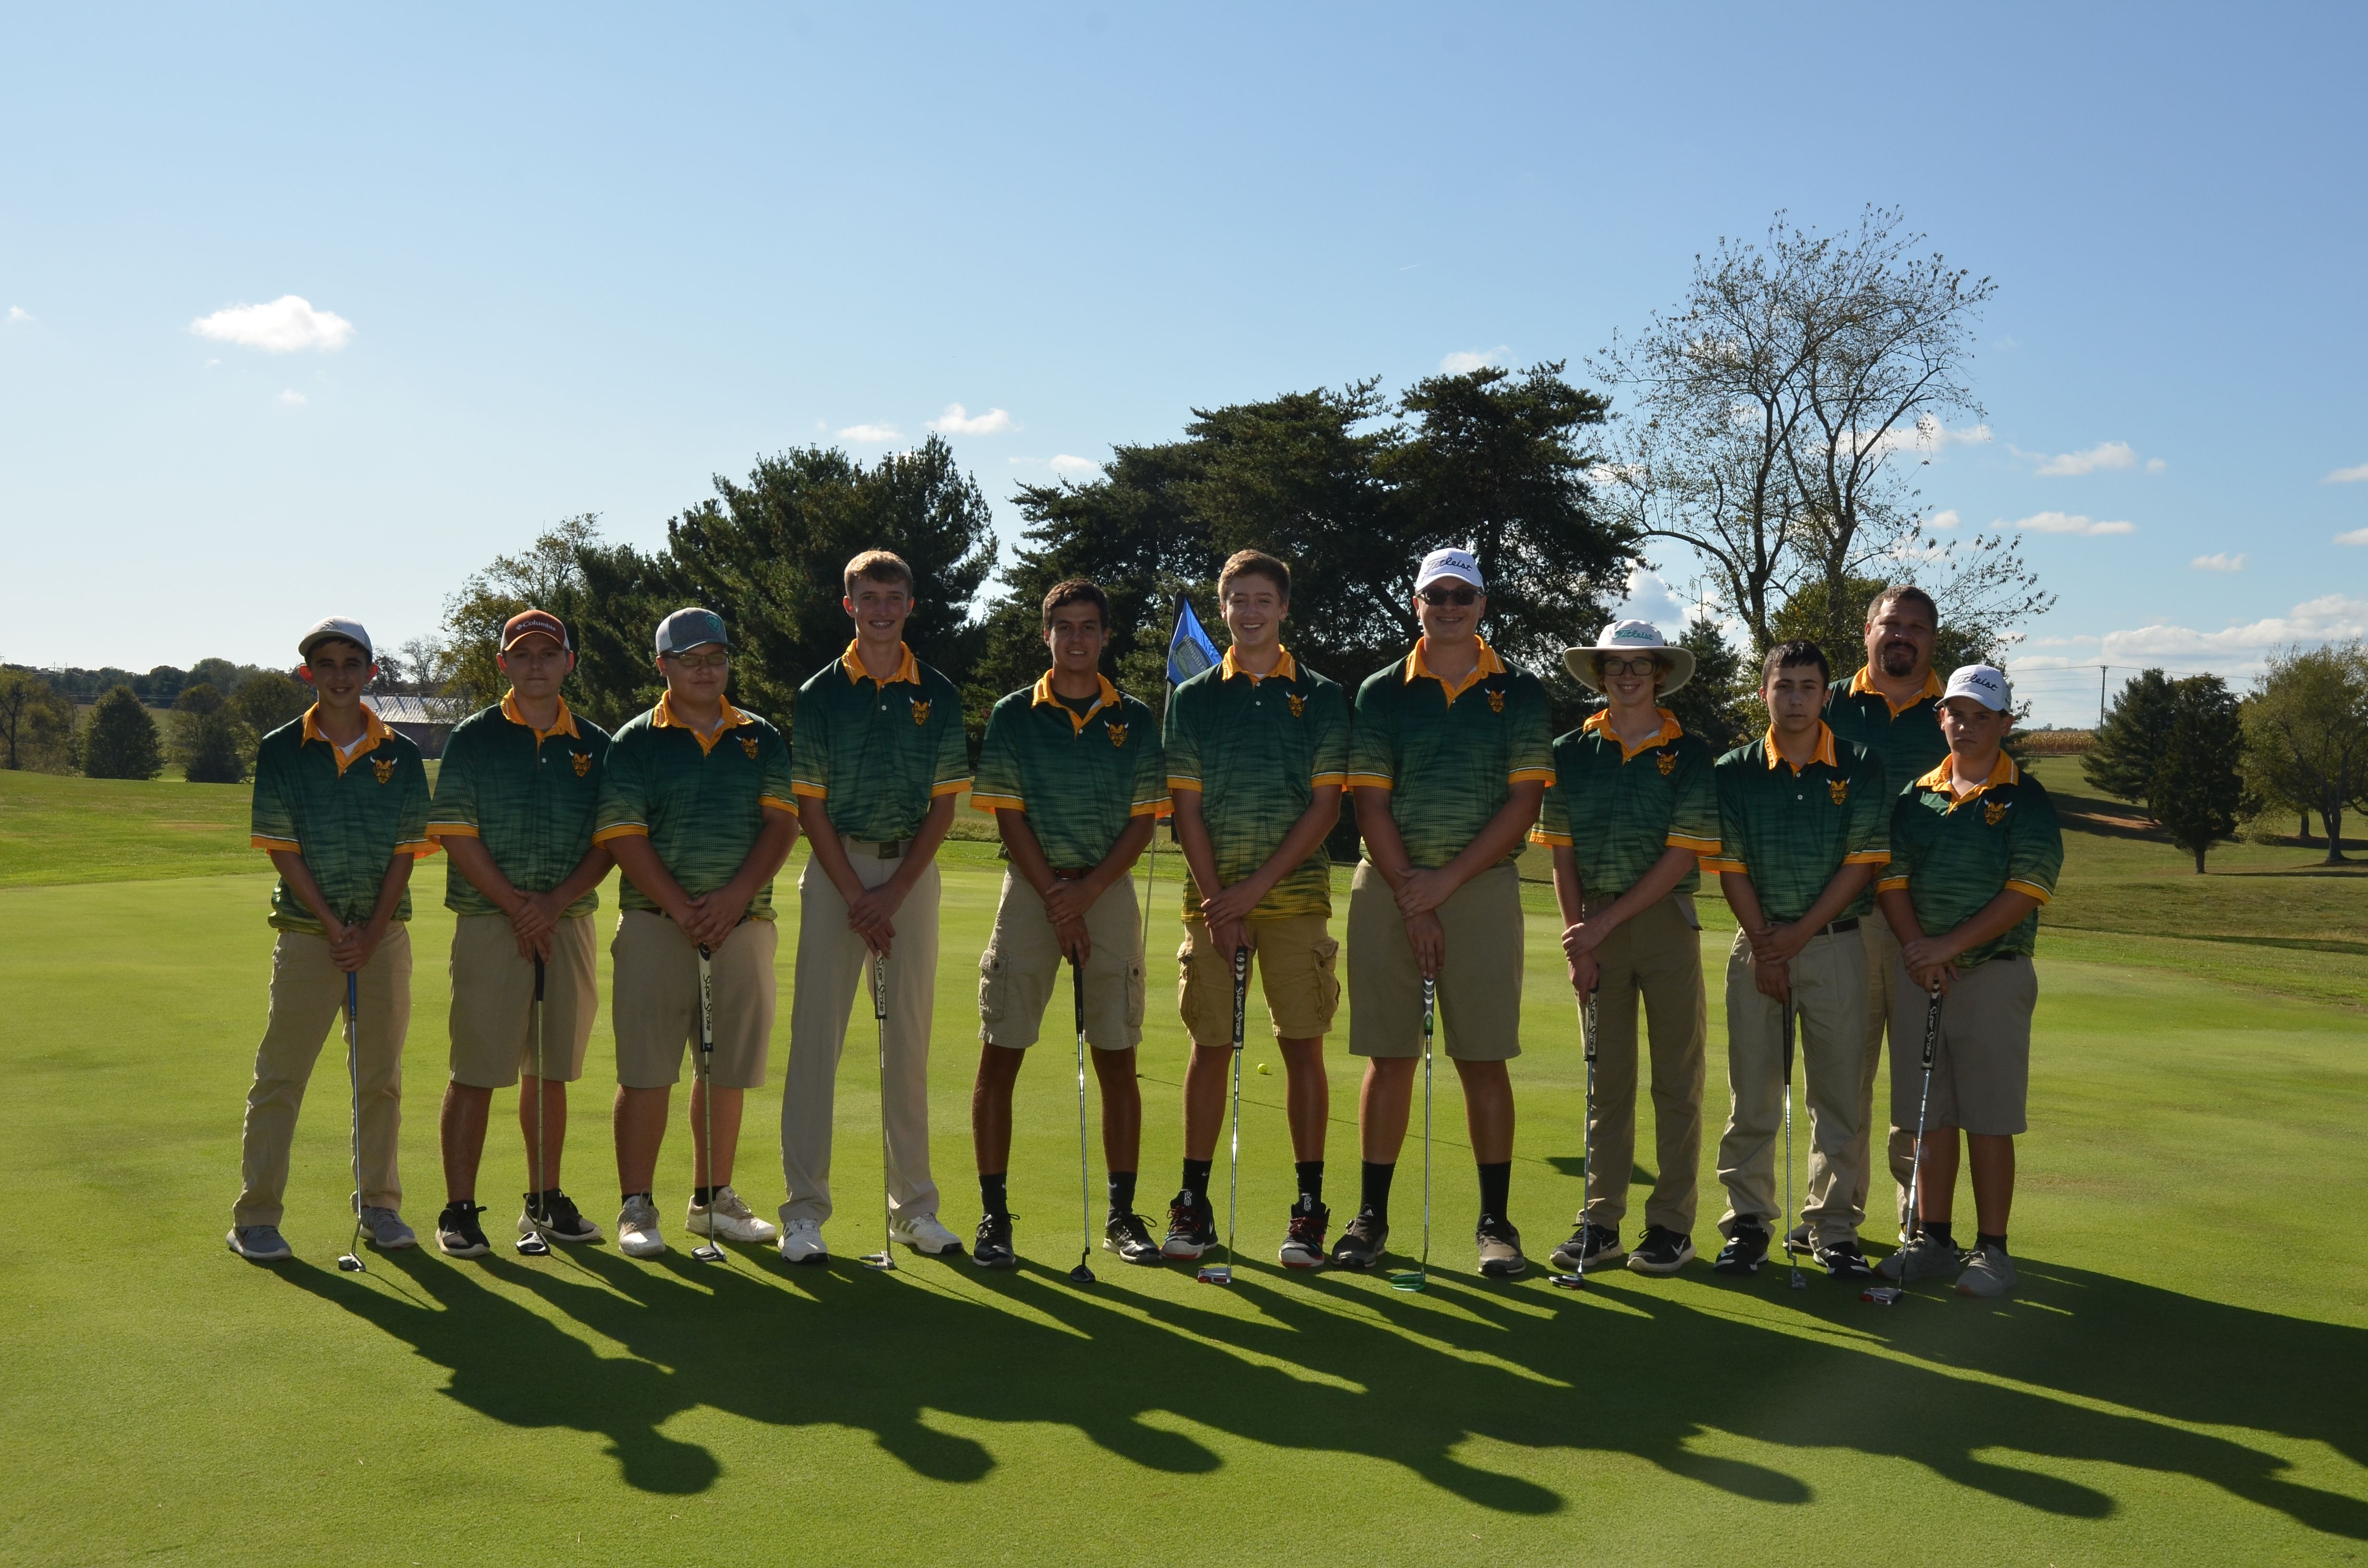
(64, 828)
(2180, 1381)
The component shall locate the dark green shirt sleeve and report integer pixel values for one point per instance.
(273, 820)
(1150, 772)
(953, 747)
(2034, 846)
(1180, 743)
(997, 786)
(1695, 825)
(455, 800)
(624, 788)
(1334, 736)
(1531, 757)
(1871, 808)
(411, 824)
(1373, 746)
(810, 746)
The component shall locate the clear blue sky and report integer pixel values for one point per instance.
(585, 257)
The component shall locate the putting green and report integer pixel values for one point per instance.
(2180, 1380)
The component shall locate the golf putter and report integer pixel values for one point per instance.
(884, 1258)
(1577, 1278)
(350, 1260)
(1223, 1273)
(711, 1252)
(1888, 1295)
(1418, 1277)
(532, 1243)
(1081, 1274)
(1791, 1256)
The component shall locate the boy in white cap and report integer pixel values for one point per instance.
(341, 807)
(1632, 810)
(1975, 849)
(1450, 753)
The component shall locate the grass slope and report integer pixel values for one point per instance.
(2180, 1383)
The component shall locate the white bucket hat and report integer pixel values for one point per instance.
(1630, 637)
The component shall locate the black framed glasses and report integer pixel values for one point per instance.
(1643, 667)
(1450, 596)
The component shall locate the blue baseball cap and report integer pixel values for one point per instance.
(688, 628)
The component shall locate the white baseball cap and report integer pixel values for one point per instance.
(1630, 637)
(1455, 563)
(335, 626)
(1985, 683)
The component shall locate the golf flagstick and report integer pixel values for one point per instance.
(884, 1258)
(1081, 1275)
(1420, 1277)
(1223, 1273)
(1888, 1295)
(532, 1243)
(1791, 1256)
(1577, 1278)
(350, 1260)
(712, 1252)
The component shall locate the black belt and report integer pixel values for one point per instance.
(1836, 929)
(1069, 876)
(893, 849)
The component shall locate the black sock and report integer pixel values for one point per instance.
(1311, 1183)
(1196, 1177)
(702, 1196)
(1496, 1187)
(1121, 1192)
(1375, 1199)
(991, 1193)
(1984, 1239)
(649, 1197)
(546, 1197)
(1938, 1230)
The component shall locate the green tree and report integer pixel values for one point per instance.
(263, 702)
(1717, 704)
(36, 723)
(2307, 733)
(2130, 742)
(206, 739)
(122, 741)
(2197, 788)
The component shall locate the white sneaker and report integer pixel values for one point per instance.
(637, 1229)
(728, 1216)
(801, 1243)
(925, 1236)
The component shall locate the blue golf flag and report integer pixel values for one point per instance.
(1188, 651)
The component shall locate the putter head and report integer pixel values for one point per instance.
(1567, 1282)
(1081, 1275)
(709, 1253)
(348, 1264)
(533, 1247)
(1800, 1281)
(881, 1259)
(1416, 1280)
(1881, 1295)
(1217, 1274)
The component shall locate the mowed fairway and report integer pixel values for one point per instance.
(2185, 1378)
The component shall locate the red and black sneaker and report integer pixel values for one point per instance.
(1302, 1245)
(1191, 1227)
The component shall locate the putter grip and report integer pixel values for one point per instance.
(1241, 994)
(1077, 994)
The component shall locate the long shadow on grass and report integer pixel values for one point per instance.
(1345, 1365)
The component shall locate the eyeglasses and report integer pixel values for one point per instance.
(1449, 595)
(1628, 667)
(700, 662)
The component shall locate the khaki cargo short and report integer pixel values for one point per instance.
(1479, 984)
(1981, 1065)
(493, 1002)
(1023, 968)
(1298, 966)
(657, 1002)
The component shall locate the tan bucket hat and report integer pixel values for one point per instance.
(1630, 637)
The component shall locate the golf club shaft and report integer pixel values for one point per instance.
(354, 1077)
(1234, 1157)
(1923, 1103)
(707, 1101)
(1429, 1011)
(543, 1182)
(1085, 1178)
(880, 1028)
(1785, 1228)
(1586, 1130)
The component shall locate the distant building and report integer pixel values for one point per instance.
(424, 721)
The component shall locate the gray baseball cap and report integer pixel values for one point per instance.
(688, 628)
(327, 627)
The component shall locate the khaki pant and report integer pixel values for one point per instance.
(657, 1002)
(1297, 963)
(1882, 972)
(1829, 996)
(832, 962)
(1981, 1062)
(1022, 964)
(1655, 957)
(308, 993)
(493, 1022)
(1479, 981)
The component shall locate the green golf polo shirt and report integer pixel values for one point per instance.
(1620, 810)
(1449, 755)
(878, 752)
(1954, 853)
(1908, 739)
(1791, 830)
(526, 794)
(1256, 749)
(699, 799)
(1078, 772)
(348, 816)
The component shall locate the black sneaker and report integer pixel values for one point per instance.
(1191, 1227)
(1500, 1248)
(1128, 1236)
(1596, 1246)
(991, 1247)
(1360, 1245)
(558, 1220)
(1302, 1245)
(1844, 1260)
(1661, 1252)
(458, 1233)
(1745, 1251)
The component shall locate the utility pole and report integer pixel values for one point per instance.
(2100, 697)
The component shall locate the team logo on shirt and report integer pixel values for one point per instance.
(1667, 762)
(748, 744)
(1298, 703)
(1839, 790)
(920, 712)
(385, 770)
(1994, 812)
(1495, 702)
(1117, 735)
(583, 761)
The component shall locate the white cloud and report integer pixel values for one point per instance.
(2155, 465)
(18, 313)
(868, 435)
(1649, 598)
(2219, 561)
(2340, 476)
(1615, 474)
(2232, 652)
(285, 326)
(1064, 463)
(2070, 523)
(957, 421)
(1939, 521)
(2357, 536)
(1928, 434)
(2104, 455)
(292, 398)
(1463, 361)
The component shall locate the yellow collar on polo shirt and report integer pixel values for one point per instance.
(907, 668)
(1105, 698)
(566, 725)
(1825, 752)
(1601, 723)
(1284, 668)
(2002, 771)
(374, 730)
(1489, 664)
(1860, 685)
(662, 718)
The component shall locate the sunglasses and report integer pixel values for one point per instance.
(1644, 667)
(1449, 595)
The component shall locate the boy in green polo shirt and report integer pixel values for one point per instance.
(695, 805)
(1452, 752)
(1976, 850)
(514, 803)
(341, 807)
(1804, 822)
(1071, 767)
(1257, 753)
(879, 757)
(1631, 811)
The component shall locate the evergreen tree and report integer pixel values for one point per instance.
(1711, 705)
(2130, 742)
(2197, 791)
(206, 739)
(122, 742)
